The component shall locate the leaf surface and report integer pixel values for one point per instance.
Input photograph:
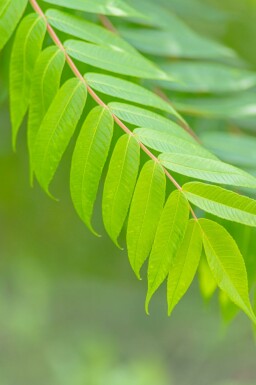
(88, 160)
(114, 60)
(169, 234)
(207, 169)
(119, 184)
(141, 117)
(221, 202)
(227, 264)
(86, 30)
(146, 207)
(126, 90)
(44, 87)
(184, 265)
(26, 49)
(165, 141)
(57, 129)
(105, 7)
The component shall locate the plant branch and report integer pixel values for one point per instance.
(97, 99)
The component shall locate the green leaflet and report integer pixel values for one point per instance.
(88, 160)
(165, 141)
(85, 30)
(169, 234)
(207, 77)
(184, 42)
(207, 283)
(146, 207)
(105, 7)
(26, 49)
(184, 265)
(144, 118)
(207, 169)
(126, 90)
(45, 84)
(235, 106)
(57, 129)
(10, 14)
(119, 184)
(235, 149)
(114, 60)
(223, 203)
(227, 264)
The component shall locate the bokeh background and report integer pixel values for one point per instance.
(71, 310)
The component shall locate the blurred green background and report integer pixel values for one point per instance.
(72, 311)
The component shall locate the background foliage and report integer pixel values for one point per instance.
(63, 259)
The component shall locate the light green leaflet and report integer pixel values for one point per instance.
(178, 44)
(207, 169)
(223, 203)
(169, 234)
(126, 90)
(207, 283)
(88, 160)
(10, 14)
(104, 7)
(234, 106)
(113, 59)
(45, 84)
(26, 49)
(86, 30)
(146, 207)
(236, 149)
(227, 264)
(184, 265)
(119, 184)
(143, 118)
(57, 129)
(207, 77)
(164, 141)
